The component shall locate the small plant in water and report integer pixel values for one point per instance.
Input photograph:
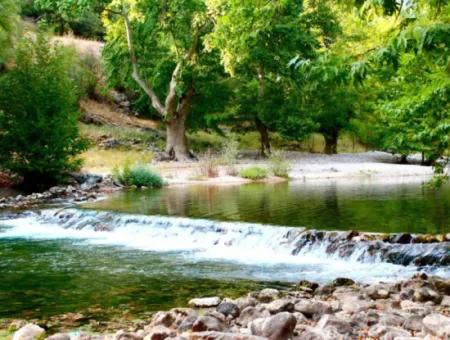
(139, 175)
(253, 173)
(279, 165)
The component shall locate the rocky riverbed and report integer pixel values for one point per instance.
(82, 187)
(417, 308)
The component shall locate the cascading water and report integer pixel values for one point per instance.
(296, 252)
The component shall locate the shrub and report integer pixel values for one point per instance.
(39, 137)
(209, 166)
(229, 156)
(139, 175)
(279, 166)
(253, 173)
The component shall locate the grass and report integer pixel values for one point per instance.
(121, 133)
(254, 173)
(104, 161)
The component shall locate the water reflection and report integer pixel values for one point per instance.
(342, 205)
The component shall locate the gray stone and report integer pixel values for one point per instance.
(29, 332)
(445, 301)
(437, 324)
(59, 336)
(377, 292)
(205, 302)
(228, 308)
(392, 319)
(278, 327)
(159, 333)
(208, 323)
(251, 313)
(268, 295)
(281, 305)
(212, 335)
(163, 318)
(413, 323)
(342, 326)
(244, 302)
(312, 308)
(394, 334)
(122, 335)
(425, 294)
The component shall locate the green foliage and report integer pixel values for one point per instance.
(81, 17)
(253, 172)
(138, 175)
(278, 164)
(8, 27)
(38, 120)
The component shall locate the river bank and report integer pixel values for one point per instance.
(416, 308)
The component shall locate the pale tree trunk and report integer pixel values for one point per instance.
(176, 141)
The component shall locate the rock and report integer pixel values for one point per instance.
(208, 323)
(251, 313)
(445, 301)
(228, 308)
(187, 324)
(122, 335)
(312, 308)
(425, 294)
(437, 324)
(15, 325)
(394, 334)
(205, 302)
(59, 336)
(377, 292)
(392, 319)
(355, 305)
(414, 307)
(278, 327)
(29, 332)
(311, 333)
(222, 336)
(377, 330)
(413, 323)
(268, 295)
(401, 238)
(159, 333)
(281, 305)
(324, 290)
(163, 318)
(342, 281)
(305, 284)
(246, 301)
(343, 327)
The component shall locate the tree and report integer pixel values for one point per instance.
(415, 110)
(256, 41)
(82, 17)
(39, 137)
(160, 44)
(8, 27)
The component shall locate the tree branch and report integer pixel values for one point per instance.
(156, 103)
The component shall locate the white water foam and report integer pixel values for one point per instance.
(204, 240)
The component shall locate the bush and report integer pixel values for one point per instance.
(39, 137)
(139, 175)
(253, 173)
(279, 166)
(229, 156)
(209, 166)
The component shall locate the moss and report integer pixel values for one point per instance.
(253, 173)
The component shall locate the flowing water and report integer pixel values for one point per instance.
(149, 250)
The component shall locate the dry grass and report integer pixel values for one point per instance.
(82, 46)
(104, 161)
(105, 113)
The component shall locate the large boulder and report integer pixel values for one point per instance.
(268, 295)
(437, 324)
(29, 332)
(278, 327)
(280, 305)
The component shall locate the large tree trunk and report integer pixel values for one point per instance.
(331, 141)
(176, 141)
(264, 137)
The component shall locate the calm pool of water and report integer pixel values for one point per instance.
(341, 205)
